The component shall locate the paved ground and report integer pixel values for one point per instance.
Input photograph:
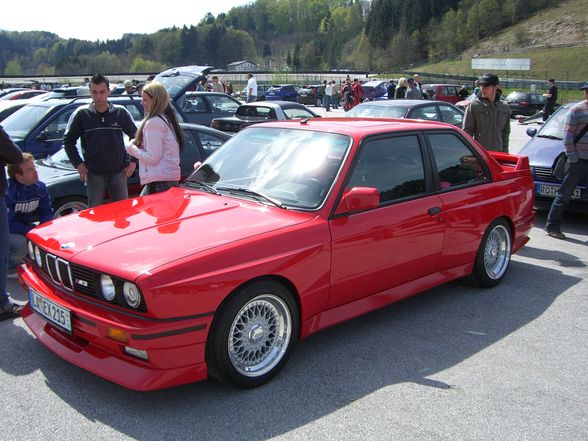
(455, 363)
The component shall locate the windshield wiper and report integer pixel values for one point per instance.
(548, 136)
(203, 185)
(255, 194)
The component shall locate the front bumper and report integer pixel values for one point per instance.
(175, 347)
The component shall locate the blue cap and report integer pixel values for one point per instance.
(585, 86)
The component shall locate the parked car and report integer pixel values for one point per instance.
(414, 109)
(282, 92)
(68, 193)
(254, 113)
(7, 108)
(464, 103)
(442, 92)
(524, 103)
(39, 126)
(375, 89)
(543, 150)
(22, 94)
(203, 107)
(311, 94)
(261, 89)
(8, 90)
(289, 228)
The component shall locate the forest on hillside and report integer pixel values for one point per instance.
(283, 35)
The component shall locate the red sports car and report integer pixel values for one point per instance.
(290, 227)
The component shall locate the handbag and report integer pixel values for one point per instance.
(559, 166)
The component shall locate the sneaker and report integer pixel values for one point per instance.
(10, 309)
(556, 234)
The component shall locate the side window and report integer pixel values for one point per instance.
(297, 113)
(209, 142)
(455, 161)
(56, 128)
(194, 104)
(394, 166)
(222, 104)
(425, 112)
(450, 115)
(190, 154)
(134, 111)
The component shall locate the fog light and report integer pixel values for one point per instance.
(117, 334)
(136, 353)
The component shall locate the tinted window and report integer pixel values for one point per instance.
(298, 113)
(394, 166)
(450, 115)
(209, 142)
(135, 112)
(425, 112)
(56, 128)
(455, 161)
(194, 104)
(190, 154)
(221, 103)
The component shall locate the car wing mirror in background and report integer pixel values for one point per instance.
(358, 199)
(531, 131)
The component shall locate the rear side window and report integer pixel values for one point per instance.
(456, 163)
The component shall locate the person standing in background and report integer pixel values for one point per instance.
(550, 99)
(251, 88)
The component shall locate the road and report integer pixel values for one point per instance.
(454, 363)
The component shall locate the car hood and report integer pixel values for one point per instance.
(542, 151)
(132, 237)
(57, 172)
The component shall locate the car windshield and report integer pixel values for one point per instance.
(374, 111)
(554, 126)
(289, 167)
(23, 120)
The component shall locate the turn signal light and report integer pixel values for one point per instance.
(117, 334)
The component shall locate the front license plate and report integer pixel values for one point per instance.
(50, 310)
(551, 191)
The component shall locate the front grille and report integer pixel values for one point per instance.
(544, 173)
(81, 280)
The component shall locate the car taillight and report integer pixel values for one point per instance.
(524, 103)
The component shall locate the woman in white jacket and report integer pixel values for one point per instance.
(158, 142)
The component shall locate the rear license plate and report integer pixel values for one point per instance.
(50, 310)
(551, 191)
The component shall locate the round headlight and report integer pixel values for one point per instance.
(107, 287)
(132, 295)
(38, 256)
(31, 250)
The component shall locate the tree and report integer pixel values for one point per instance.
(13, 68)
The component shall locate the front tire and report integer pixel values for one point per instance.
(252, 335)
(493, 256)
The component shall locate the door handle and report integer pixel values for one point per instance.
(434, 211)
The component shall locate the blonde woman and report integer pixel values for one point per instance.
(158, 142)
(400, 91)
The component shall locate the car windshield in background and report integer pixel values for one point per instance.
(373, 111)
(289, 167)
(20, 123)
(553, 127)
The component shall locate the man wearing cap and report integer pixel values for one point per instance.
(576, 168)
(128, 87)
(487, 119)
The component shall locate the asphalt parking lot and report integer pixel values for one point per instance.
(454, 363)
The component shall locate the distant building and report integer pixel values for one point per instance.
(242, 66)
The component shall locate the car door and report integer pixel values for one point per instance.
(196, 109)
(466, 192)
(400, 240)
(47, 138)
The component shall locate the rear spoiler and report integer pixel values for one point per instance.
(512, 163)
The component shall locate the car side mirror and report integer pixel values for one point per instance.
(531, 131)
(358, 199)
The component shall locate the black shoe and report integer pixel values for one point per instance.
(556, 234)
(10, 309)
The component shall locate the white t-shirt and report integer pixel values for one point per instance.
(252, 86)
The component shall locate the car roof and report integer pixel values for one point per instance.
(404, 103)
(274, 103)
(358, 126)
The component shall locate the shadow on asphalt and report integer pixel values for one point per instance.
(410, 341)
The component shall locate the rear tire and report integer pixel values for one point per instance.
(252, 335)
(493, 257)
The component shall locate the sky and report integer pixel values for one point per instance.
(109, 19)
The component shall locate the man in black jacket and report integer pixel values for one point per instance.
(100, 125)
(9, 154)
